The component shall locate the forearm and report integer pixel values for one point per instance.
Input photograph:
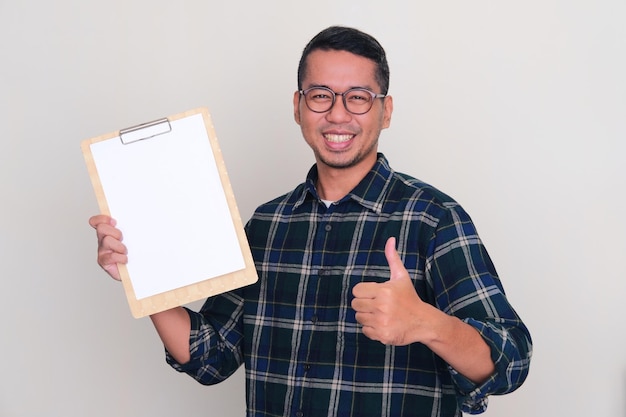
(174, 327)
(462, 347)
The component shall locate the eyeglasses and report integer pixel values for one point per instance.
(355, 100)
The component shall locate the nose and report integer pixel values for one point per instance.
(338, 112)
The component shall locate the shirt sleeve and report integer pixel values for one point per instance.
(466, 285)
(215, 340)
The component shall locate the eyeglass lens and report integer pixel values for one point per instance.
(356, 100)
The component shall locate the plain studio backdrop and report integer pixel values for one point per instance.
(516, 109)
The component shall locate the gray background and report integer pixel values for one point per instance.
(514, 108)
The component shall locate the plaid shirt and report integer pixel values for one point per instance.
(304, 352)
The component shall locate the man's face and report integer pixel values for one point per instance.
(340, 139)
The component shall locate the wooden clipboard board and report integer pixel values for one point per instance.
(166, 184)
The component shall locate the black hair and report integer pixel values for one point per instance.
(340, 38)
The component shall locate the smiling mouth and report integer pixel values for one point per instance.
(338, 138)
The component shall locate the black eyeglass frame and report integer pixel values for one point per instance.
(343, 98)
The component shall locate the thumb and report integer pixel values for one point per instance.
(397, 269)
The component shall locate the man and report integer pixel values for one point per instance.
(375, 296)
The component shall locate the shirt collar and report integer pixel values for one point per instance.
(369, 192)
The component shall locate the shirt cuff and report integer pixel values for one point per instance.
(474, 397)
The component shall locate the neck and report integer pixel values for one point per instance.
(335, 183)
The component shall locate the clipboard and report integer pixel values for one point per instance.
(165, 182)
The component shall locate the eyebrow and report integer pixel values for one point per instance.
(349, 88)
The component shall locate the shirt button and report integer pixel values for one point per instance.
(314, 319)
(328, 228)
(307, 367)
(299, 414)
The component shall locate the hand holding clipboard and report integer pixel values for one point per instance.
(171, 172)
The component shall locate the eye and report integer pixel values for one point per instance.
(319, 94)
(359, 96)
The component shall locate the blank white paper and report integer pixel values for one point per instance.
(166, 195)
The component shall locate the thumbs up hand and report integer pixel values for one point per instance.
(392, 312)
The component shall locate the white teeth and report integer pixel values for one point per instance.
(338, 138)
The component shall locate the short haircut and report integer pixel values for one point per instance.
(340, 38)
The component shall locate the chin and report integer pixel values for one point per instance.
(339, 163)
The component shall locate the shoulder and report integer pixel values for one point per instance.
(281, 202)
(275, 209)
(438, 214)
(419, 194)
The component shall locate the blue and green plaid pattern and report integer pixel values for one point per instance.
(304, 352)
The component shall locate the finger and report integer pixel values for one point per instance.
(396, 266)
(105, 230)
(112, 244)
(370, 333)
(364, 319)
(365, 290)
(106, 258)
(109, 262)
(98, 219)
(361, 305)
(105, 226)
(113, 270)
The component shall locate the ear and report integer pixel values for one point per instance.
(296, 107)
(387, 110)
